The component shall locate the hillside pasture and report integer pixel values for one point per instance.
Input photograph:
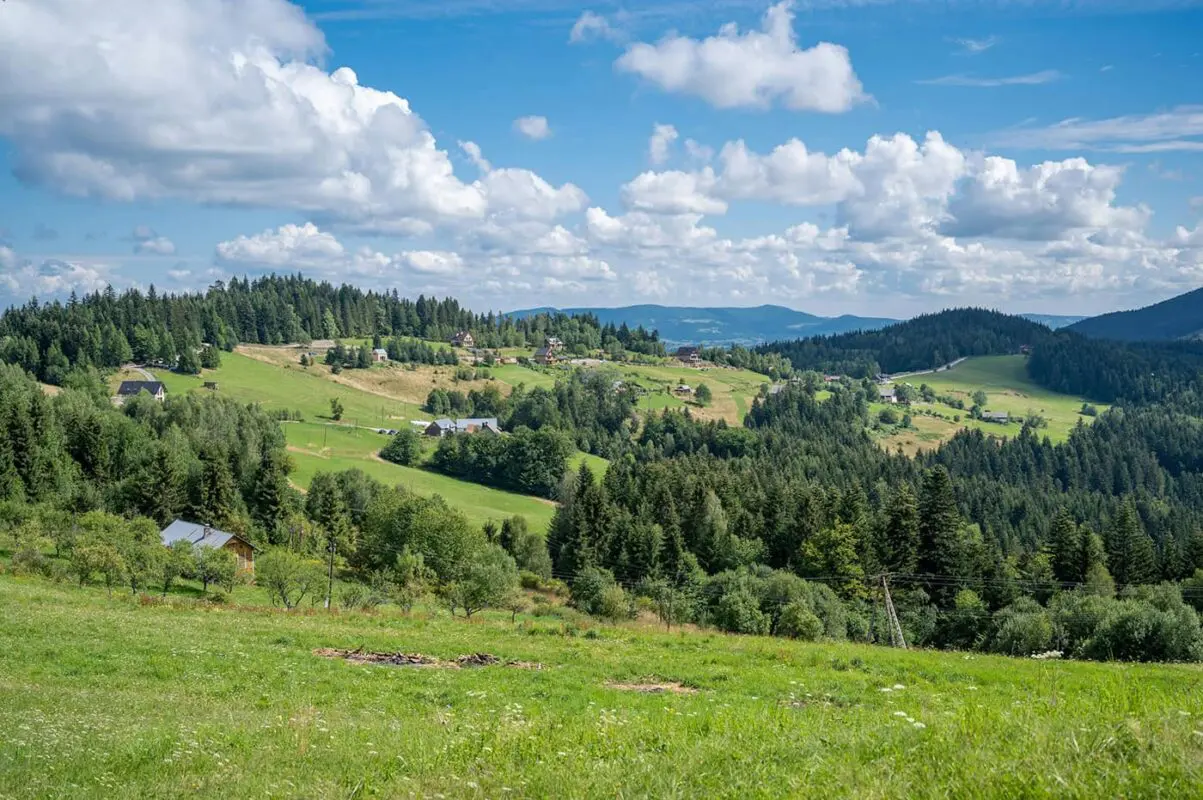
(111, 696)
(1005, 381)
(329, 448)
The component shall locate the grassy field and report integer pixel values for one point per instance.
(1005, 381)
(328, 448)
(733, 389)
(108, 697)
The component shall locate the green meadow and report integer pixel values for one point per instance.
(1008, 388)
(332, 448)
(103, 697)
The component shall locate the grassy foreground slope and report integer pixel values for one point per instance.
(100, 697)
(1008, 388)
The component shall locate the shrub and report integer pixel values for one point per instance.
(1023, 628)
(614, 604)
(739, 612)
(799, 622)
(488, 579)
(404, 449)
(589, 588)
(358, 597)
(288, 578)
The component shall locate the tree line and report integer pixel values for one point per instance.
(105, 329)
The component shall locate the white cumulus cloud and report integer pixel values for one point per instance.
(754, 69)
(215, 101)
(533, 127)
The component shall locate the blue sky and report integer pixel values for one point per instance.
(1029, 156)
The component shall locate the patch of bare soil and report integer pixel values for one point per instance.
(419, 660)
(671, 687)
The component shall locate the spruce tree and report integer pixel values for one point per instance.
(939, 523)
(900, 538)
(1065, 548)
(1131, 557)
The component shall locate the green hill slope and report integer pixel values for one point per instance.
(179, 700)
(320, 445)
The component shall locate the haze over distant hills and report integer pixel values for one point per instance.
(1179, 317)
(743, 325)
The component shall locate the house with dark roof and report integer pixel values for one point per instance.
(689, 355)
(204, 536)
(129, 389)
(462, 339)
(1001, 417)
(545, 356)
(443, 427)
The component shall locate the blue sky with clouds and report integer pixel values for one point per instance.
(868, 157)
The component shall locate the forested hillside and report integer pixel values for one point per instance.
(1177, 318)
(105, 329)
(784, 524)
(925, 342)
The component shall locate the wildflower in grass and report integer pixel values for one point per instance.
(900, 713)
(919, 726)
(898, 687)
(1047, 655)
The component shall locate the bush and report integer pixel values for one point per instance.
(888, 416)
(487, 580)
(589, 589)
(739, 612)
(404, 449)
(288, 578)
(358, 597)
(615, 604)
(1023, 628)
(799, 622)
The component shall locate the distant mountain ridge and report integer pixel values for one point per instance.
(1179, 317)
(746, 326)
(696, 325)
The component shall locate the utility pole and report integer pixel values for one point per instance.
(330, 581)
(896, 639)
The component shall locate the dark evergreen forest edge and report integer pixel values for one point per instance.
(784, 525)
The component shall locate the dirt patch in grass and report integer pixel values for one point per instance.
(667, 687)
(419, 660)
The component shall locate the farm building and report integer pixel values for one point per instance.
(129, 389)
(380, 355)
(1001, 417)
(204, 536)
(545, 356)
(683, 390)
(886, 394)
(443, 427)
(554, 343)
(462, 339)
(689, 355)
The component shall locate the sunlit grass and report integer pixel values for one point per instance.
(106, 698)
